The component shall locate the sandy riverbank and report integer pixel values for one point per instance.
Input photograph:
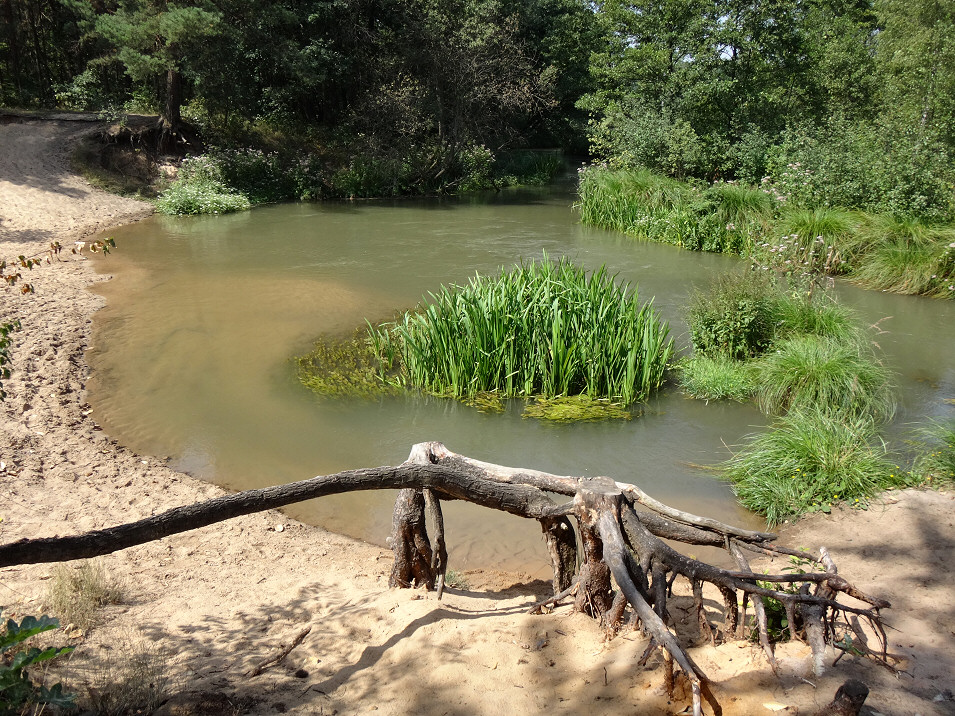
(224, 598)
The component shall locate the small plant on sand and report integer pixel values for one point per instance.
(456, 580)
(809, 460)
(19, 693)
(132, 677)
(75, 593)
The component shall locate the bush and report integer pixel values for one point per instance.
(809, 460)
(735, 318)
(864, 165)
(546, 328)
(812, 243)
(838, 377)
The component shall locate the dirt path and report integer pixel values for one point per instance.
(222, 599)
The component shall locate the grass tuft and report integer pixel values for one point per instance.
(837, 377)
(75, 593)
(810, 460)
(935, 464)
(716, 378)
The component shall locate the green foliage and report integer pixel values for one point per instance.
(735, 318)
(809, 460)
(545, 328)
(5, 330)
(200, 195)
(839, 377)
(863, 166)
(716, 377)
(935, 464)
(17, 690)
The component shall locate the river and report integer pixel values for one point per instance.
(191, 357)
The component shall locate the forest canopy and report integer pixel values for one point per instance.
(850, 102)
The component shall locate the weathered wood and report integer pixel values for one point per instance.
(409, 542)
(620, 546)
(848, 701)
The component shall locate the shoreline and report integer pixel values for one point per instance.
(223, 598)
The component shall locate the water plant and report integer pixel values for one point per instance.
(717, 377)
(836, 376)
(575, 409)
(809, 460)
(339, 367)
(544, 328)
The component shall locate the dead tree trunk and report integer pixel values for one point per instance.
(626, 560)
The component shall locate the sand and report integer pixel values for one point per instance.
(221, 600)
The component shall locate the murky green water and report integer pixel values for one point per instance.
(190, 358)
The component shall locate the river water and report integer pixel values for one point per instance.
(190, 358)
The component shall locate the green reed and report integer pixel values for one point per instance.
(544, 328)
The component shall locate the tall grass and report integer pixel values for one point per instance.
(724, 218)
(936, 463)
(808, 461)
(716, 378)
(906, 255)
(815, 371)
(544, 328)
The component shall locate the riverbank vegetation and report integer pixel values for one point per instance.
(544, 329)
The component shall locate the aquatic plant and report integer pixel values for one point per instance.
(575, 409)
(838, 377)
(717, 377)
(544, 328)
(809, 460)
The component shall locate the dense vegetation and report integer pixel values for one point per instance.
(545, 329)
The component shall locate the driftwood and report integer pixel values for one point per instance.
(619, 541)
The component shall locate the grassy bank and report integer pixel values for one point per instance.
(905, 255)
(225, 180)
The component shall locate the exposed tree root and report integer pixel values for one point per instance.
(625, 561)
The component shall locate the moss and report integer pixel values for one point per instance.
(576, 408)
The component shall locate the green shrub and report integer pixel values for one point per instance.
(809, 460)
(545, 328)
(18, 692)
(816, 371)
(716, 378)
(806, 312)
(735, 318)
(200, 197)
